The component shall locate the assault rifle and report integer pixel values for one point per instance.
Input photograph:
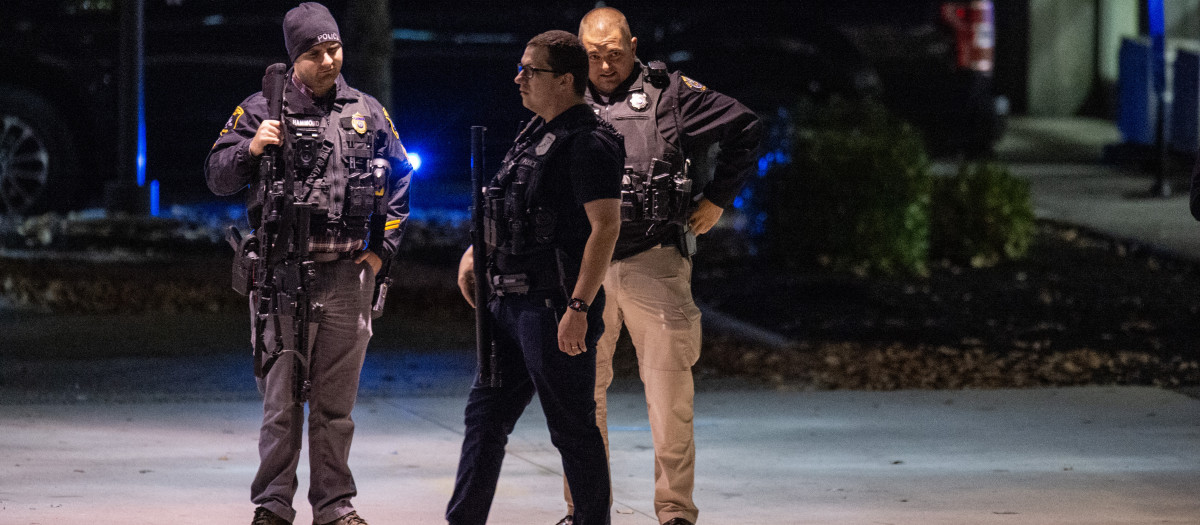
(280, 274)
(485, 344)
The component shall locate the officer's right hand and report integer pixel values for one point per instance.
(466, 275)
(572, 329)
(270, 132)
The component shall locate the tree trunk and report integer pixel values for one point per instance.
(368, 39)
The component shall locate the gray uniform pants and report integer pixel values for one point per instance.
(338, 339)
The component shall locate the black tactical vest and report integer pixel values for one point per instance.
(516, 221)
(655, 189)
(636, 119)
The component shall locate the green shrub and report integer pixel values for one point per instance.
(855, 196)
(981, 216)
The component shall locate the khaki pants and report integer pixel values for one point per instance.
(651, 295)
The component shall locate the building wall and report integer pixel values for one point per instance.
(1182, 18)
(1055, 58)
(1118, 20)
(1062, 52)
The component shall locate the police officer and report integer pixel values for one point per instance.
(331, 137)
(552, 214)
(665, 119)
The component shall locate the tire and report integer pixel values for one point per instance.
(36, 153)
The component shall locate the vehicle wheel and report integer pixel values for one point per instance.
(36, 155)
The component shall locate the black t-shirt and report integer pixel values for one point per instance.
(587, 166)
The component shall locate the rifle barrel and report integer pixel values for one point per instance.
(484, 353)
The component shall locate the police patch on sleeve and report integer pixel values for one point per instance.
(390, 124)
(230, 124)
(233, 120)
(696, 86)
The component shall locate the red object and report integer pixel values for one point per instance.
(974, 31)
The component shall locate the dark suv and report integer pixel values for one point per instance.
(59, 92)
(929, 60)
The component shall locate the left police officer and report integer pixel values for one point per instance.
(331, 137)
(552, 216)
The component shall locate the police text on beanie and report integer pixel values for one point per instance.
(307, 25)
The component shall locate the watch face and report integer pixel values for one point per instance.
(578, 305)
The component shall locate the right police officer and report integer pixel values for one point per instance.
(665, 118)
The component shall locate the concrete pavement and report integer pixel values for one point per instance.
(1048, 456)
(1061, 157)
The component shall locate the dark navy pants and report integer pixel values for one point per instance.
(526, 335)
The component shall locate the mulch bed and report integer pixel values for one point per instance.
(1080, 309)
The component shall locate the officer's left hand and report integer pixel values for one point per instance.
(705, 217)
(372, 259)
(571, 330)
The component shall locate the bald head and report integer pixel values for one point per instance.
(604, 19)
(611, 49)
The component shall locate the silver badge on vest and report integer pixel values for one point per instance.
(638, 101)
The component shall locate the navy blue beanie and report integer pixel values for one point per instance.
(307, 25)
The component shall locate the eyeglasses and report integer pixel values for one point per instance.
(527, 72)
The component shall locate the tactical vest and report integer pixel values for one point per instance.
(516, 222)
(331, 156)
(655, 186)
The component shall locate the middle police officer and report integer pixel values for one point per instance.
(665, 118)
(552, 216)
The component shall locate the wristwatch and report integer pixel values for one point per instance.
(578, 305)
